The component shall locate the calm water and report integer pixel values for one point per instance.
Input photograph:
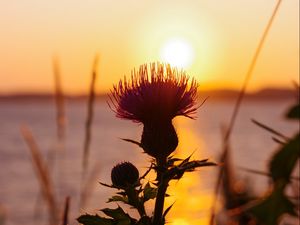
(19, 187)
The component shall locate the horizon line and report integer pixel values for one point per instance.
(99, 94)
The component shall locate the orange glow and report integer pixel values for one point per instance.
(223, 36)
(192, 204)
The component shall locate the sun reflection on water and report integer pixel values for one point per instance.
(180, 222)
(192, 203)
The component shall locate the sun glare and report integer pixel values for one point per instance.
(178, 52)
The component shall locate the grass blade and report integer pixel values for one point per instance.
(59, 102)
(264, 173)
(239, 101)
(271, 130)
(90, 116)
(42, 174)
(65, 220)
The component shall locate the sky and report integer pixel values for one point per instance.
(218, 39)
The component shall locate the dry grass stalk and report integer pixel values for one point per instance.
(61, 129)
(65, 219)
(238, 104)
(42, 173)
(50, 162)
(90, 116)
(58, 153)
(60, 102)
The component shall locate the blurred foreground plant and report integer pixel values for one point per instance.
(283, 163)
(282, 196)
(152, 97)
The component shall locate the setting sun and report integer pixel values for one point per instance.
(178, 52)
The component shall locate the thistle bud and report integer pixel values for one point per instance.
(159, 140)
(124, 175)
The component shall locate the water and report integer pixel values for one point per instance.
(19, 187)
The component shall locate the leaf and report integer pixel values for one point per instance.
(123, 193)
(294, 112)
(269, 210)
(94, 220)
(118, 215)
(149, 192)
(171, 161)
(177, 172)
(269, 129)
(106, 185)
(148, 171)
(118, 198)
(186, 160)
(167, 210)
(132, 141)
(284, 160)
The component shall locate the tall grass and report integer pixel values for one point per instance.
(58, 150)
(85, 184)
(238, 104)
(59, 102)
(43, 175)
(89, 118)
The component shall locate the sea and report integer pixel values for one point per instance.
(251, 147)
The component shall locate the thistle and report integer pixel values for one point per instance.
(153, 97)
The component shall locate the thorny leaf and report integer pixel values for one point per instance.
(132, 141)
(94, 220)
(171, 161)
(107, 185)
(149, 192)
(118, 198)
(186, 160)
(147, 171)
(117, 213)
(122, 193)
(167, 210)
(177, 172)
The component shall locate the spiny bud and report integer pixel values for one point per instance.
(124, 175)
(159, 139)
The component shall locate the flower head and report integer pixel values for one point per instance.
(124, 175)
(158, 93)
(154, 96)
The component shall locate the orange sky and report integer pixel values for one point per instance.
(223, 35)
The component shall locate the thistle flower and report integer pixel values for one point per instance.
(154, 96)
(124, 175)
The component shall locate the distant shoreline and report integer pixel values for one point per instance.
(264, 94)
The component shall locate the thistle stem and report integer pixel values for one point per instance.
(161, 193)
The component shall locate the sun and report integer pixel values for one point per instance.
(178, 52)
